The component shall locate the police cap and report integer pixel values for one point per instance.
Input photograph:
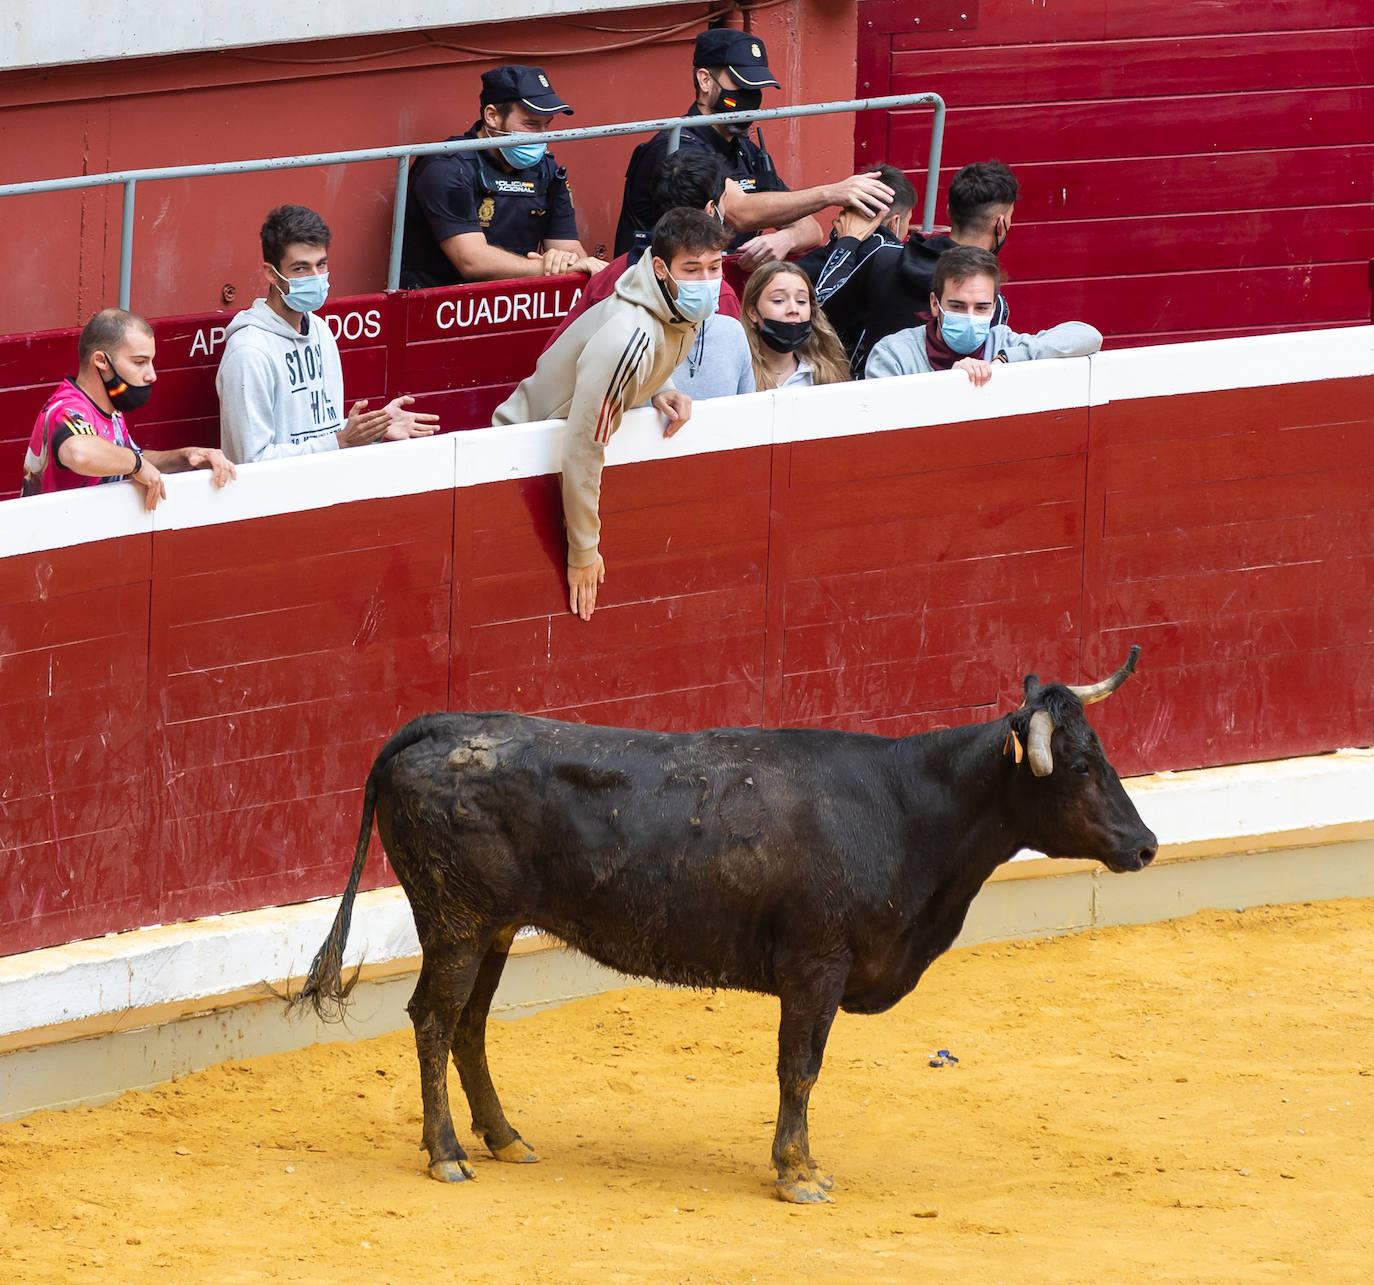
(526, 85)
(741, 54)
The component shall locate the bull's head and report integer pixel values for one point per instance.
(1071, 800)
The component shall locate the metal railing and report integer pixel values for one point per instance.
(402, 154)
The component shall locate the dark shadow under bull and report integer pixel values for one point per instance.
(826, 868)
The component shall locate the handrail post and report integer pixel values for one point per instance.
(126, 246)
(937, 142)
(398, 223)
(674, 139)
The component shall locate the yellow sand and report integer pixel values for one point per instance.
(1190, 1101)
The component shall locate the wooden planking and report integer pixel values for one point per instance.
(1304, 295)
(1276, 121)
(1150, 246)
(1012, 22)
(1244, 565)
(679, 620)
(1132, 69)
(283, 661)
(73, 702)
(878, 572)
(1167, 138)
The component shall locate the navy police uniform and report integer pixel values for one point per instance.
(515, 209)
(746, 161)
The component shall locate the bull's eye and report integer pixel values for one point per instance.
(1081, 769)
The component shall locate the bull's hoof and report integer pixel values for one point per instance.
(516, 1152)
(814, 1190)
(451, 1171)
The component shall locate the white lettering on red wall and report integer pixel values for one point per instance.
(474, 313)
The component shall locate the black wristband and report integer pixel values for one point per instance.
(138, 462)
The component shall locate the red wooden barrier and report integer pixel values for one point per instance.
(190, 712)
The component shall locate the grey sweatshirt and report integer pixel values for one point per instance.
(718, 363)
(280, 391)
(904, 353)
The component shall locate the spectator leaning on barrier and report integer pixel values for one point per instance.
(959, 334)
(614, 355)
(279, 381)
(718, 363)
(890, 227)
(730, 73)
(792, 344)
(80, 438)
(871, 290)
(499, 213)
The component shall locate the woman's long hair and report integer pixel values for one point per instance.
(822, 351)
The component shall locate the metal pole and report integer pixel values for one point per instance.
(937, 142)
(674, 139)
(398, 223)
(126, 246)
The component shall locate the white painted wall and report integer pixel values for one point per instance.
(46, 33)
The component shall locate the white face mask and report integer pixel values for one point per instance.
(305, 294)
(696, 300)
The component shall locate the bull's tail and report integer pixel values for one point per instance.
(325, 989)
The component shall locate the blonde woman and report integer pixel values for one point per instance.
(792, 342)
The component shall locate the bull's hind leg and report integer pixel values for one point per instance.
(446, 978)
(807, 1013)
(470, 1057)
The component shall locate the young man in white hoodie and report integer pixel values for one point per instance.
(621, 352)
(280, 384)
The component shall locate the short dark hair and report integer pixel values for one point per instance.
(903, 190)
(682, 228)
(690, 176)
(291, 225)
(962, 262)
(106, 330)
(978, 190)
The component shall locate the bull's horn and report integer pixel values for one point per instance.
(1100, 691)
(1038, 746)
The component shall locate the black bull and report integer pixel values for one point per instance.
(826, 868)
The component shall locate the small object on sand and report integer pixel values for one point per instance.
(937, 1062)
(947, 1055)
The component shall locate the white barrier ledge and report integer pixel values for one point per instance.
(154, 975)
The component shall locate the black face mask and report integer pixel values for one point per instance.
(998, 243)
(123, 395)
(784, 336)
(736, 100)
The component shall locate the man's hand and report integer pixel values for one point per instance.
(221, 467)
(555, 262)
(582, 582)
(589, 264)
(864, 193)
(979, 372)
(363, 427)
(405, 423)
(767, 247)
(675, 406)
(150, 479)
(859, 226)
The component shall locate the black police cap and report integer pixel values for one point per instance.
(742, 55)
(516, 84)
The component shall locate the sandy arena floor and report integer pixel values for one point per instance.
(1191, 1101)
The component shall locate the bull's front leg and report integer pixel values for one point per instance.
(807, 1013)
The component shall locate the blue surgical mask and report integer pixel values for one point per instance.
(305, 294)
(696, 300)
(963, 332)
(520, 156)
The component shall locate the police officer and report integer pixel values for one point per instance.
(504, 212)
(730, 71)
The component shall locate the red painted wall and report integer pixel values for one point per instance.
(59, 258)
(189, 715)
(1189, 169)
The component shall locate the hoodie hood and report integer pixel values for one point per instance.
(640, 286)
(261, 317)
